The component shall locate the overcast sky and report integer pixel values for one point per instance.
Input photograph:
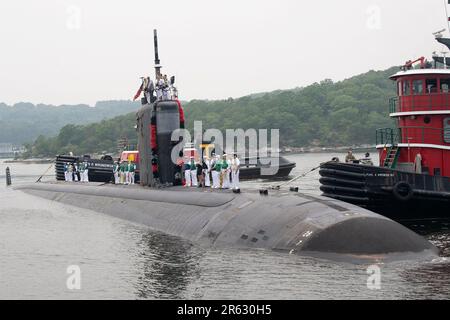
(81, 51)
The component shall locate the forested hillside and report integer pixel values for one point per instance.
(322, 114)
(24, 122)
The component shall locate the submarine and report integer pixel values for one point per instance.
(279, 220)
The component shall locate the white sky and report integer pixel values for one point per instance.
(80, 51)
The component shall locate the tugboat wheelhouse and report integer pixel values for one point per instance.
(422, 113)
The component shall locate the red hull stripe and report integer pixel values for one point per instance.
(180, 109)
(154, 143)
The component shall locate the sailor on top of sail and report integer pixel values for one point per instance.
(149, 88)
(166, 88)
(159, 88)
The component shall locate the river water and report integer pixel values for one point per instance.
(40, 240)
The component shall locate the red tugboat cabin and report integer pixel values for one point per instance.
(421, 141)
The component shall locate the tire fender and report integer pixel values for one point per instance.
(403, 191)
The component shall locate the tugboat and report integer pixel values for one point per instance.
(412, 181)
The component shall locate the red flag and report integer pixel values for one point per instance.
(138, 93)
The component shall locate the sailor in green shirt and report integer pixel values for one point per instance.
(224, 174)
(116, 172)
(131, 172)
(122, 172)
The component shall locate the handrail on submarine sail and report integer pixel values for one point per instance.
(296, 178)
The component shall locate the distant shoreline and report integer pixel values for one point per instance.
(31, 161)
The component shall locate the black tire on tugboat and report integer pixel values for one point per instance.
(403, 191)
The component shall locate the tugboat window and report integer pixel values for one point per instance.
(447, 130)
(399, 88)
(431, 85)
(417, 87)
(406, 88)
(427, 119)
(445, 85)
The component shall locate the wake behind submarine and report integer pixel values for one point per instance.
(284, 221)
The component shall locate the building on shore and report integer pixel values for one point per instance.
(8, 150)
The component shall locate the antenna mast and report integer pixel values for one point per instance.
(157, 62)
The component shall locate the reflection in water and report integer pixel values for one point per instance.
(428, 281)
(169, 265)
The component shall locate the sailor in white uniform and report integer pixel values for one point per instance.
(207, 172)
(86, 172)
(159, 88)
(75, 172)
(187, 174)
(70, 172)
(116, 173)
(193, 172)
(131, 171)
(127, 173)
(235, 166)
(215, 172)
(66, 171)
(81, 171)
(165, 89)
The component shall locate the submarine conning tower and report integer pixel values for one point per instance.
(158, 117)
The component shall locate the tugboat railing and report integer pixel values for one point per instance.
(387, 136)
(425, 135)
(420, 102)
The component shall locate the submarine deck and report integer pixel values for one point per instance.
(282, 221)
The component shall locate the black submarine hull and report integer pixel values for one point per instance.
(288, 222)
